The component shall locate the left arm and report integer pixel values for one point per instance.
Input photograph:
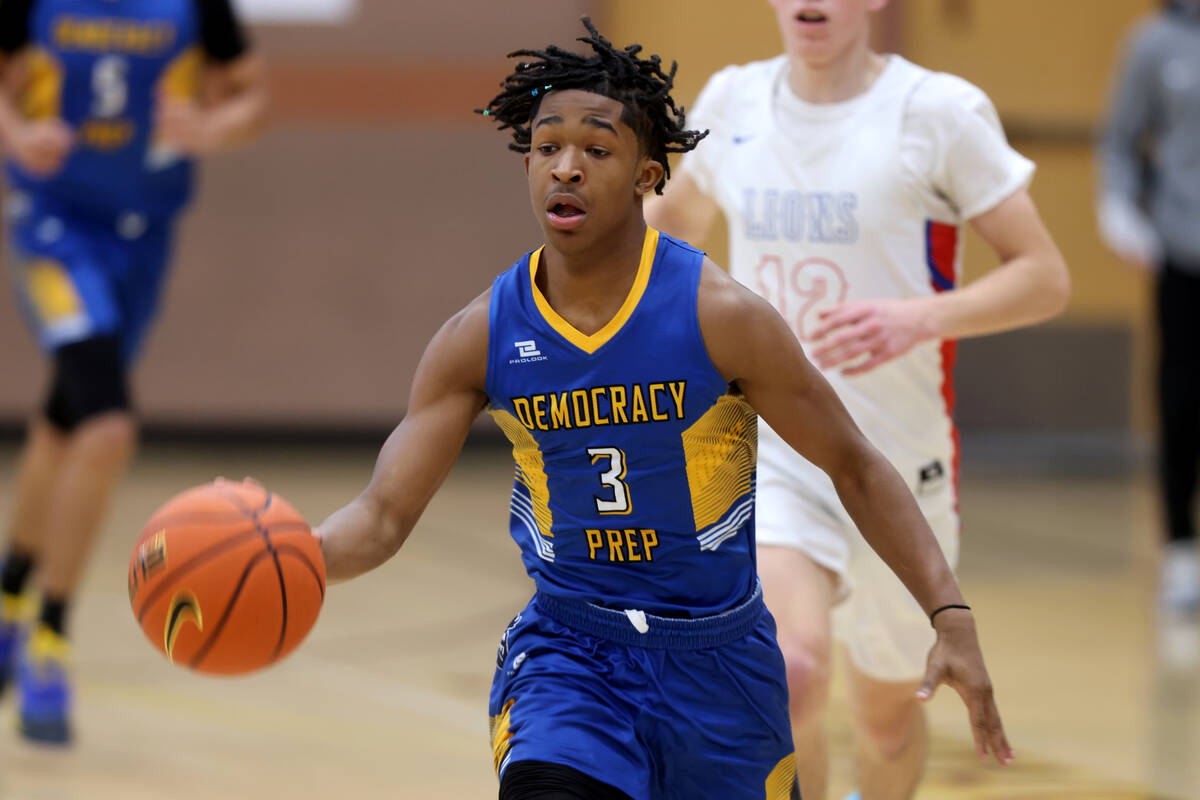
(752, 347)
(232, 106)
(1030, 285)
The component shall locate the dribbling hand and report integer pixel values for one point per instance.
(957, 661)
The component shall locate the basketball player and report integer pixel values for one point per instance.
(846, 177)
(1147, 211)
(626, 370)
(99, 136)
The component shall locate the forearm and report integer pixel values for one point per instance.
(10, 118)
(360, 536)
(884, 510)
(238, 118)
(1025, 290)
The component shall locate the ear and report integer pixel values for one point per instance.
(526, 165)
(650, 172)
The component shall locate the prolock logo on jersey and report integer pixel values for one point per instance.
(602, 405)
(527, 353)
(818, 217)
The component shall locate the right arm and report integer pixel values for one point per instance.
(1123, 225)
(39, 146)
(447, 394)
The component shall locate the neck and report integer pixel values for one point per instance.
(606, 267)
(847, 76)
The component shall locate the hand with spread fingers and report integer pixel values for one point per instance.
(957, 661)
(859, 336)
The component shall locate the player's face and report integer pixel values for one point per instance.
(586, 169)
(819, 31)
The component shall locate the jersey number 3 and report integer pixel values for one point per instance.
(613, 479)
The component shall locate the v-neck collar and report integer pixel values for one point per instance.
(591, 343)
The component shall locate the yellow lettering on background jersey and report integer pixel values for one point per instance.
(108, 35)
(104, 134)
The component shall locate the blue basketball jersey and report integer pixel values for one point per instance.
(100, 66)
(634, 458)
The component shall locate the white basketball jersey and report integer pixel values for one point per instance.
(858, 200)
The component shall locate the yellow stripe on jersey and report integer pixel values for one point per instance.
(42, 94)
(720, 450)
(181, 79)
(51, 291)
(499, 726)
(593, 342)
(531, 468)
(782, 779)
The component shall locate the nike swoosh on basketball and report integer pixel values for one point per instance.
(184, 607)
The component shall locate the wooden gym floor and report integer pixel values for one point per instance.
(388, 697)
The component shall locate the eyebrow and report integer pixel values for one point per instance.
(555, 119)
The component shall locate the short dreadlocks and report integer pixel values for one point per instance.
(639, 84)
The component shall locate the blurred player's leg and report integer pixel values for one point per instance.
(800, 594)
(1179, 398)
(97, 454)
(37, 472)
(889, 736)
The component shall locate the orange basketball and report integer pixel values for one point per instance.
(226, 578)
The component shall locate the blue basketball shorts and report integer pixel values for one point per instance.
(78, 276)
(684, 710)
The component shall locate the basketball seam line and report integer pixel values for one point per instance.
(207, 647)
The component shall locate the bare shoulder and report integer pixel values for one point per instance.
(723, 301)
(735, 323)
(459, 350)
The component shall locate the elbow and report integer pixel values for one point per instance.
(1057, 290)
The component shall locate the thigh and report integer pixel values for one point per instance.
(62, 283)
(720, 726)
(796, 507)
(885, 631)
(141, 290)
(801, 594)
(563, 697)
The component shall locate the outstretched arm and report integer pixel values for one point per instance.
(752, 346)
(447, 395)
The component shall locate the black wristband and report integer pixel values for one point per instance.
(943, 608)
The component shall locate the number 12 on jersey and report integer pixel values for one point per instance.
(612, 478)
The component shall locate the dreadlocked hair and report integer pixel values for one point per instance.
(639, 84)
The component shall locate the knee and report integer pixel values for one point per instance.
(892, 727)
(91, 387)
(807, 659)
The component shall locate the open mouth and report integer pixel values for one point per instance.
(566, 210)
(811, 17)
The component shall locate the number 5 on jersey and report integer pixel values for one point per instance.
(613, 479)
